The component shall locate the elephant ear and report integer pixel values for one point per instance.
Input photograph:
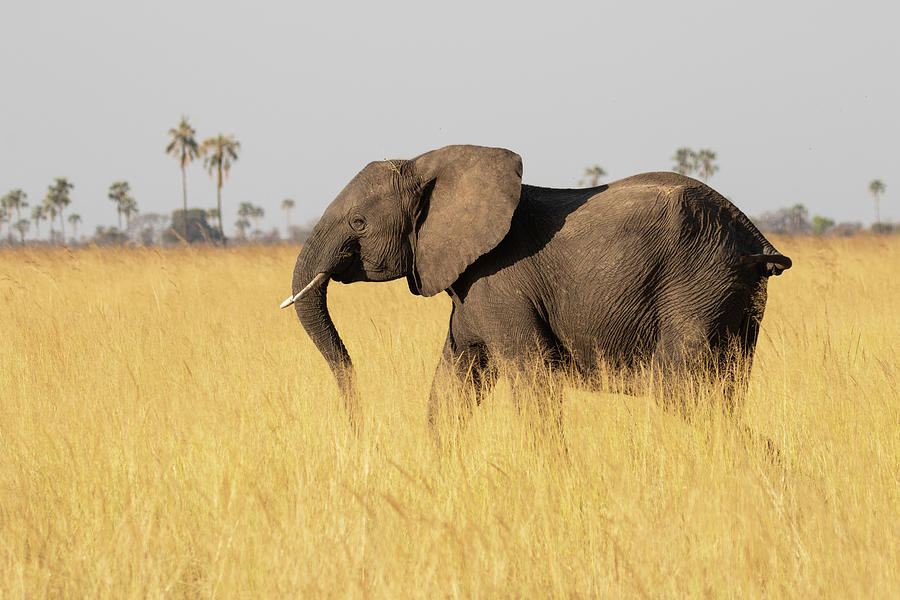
(469, 196)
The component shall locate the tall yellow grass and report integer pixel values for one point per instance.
(165, 430)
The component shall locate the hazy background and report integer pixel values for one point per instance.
(800, 100)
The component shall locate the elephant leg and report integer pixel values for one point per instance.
(745, 345)
(682, 364)
(534, 360)
(734, 362)
(539, 395)
(733, 345)
(461, 379)
(691, 358)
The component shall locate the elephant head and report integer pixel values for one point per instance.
(426, 219)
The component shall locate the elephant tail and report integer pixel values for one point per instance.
(774, 263)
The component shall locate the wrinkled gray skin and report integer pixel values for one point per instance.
(654, 269)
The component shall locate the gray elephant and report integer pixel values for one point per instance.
(655, 269)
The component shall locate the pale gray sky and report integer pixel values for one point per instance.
(800, 99)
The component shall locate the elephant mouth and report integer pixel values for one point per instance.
(323, 276)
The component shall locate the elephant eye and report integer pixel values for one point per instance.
(358, 223)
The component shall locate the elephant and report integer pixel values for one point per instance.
(655, 269)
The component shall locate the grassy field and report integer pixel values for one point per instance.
(166, 430)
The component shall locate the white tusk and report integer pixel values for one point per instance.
(316, 282)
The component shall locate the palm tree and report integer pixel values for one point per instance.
(5, 219)
(876, 188)
(5, 212)
(22, 226)
(120, 193)
(256, 214)
(704, 162)
(50, 211)
(799, 215)
(184, 148)
(59, 198)
(287, 205)
(15, 199)
(38, 214)
(685, 161)
(6, 209)
(592, 175)
(74, 219)
(219, 153)
(129, 207)
(242, 224)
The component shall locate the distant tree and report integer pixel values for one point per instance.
(219, 153)
(6, 221)
(38, 214)
(74, 219)
(50, 212)
(876, 188)
(57, 199)
(129, 208)
(773, 221)
(591, 176)
(791, 221)
(798, 217)
(120, 194)
(148, 228)
(256, 214)
(109, 236)
(14, 200)
(287, 205)
(5, 211)
(242, 224)
(183, 147)
(198, 228)
(821, 224)
(704, 162)
(245, 210)
(685, 161)
(272, 237)
(22, 227)
(845, 229)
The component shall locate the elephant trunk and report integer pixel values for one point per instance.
(310, 289)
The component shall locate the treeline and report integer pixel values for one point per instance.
(134, 227)
(155, 229)
(220, 152)
(796, 220)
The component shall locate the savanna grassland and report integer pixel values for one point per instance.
(167, 431)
